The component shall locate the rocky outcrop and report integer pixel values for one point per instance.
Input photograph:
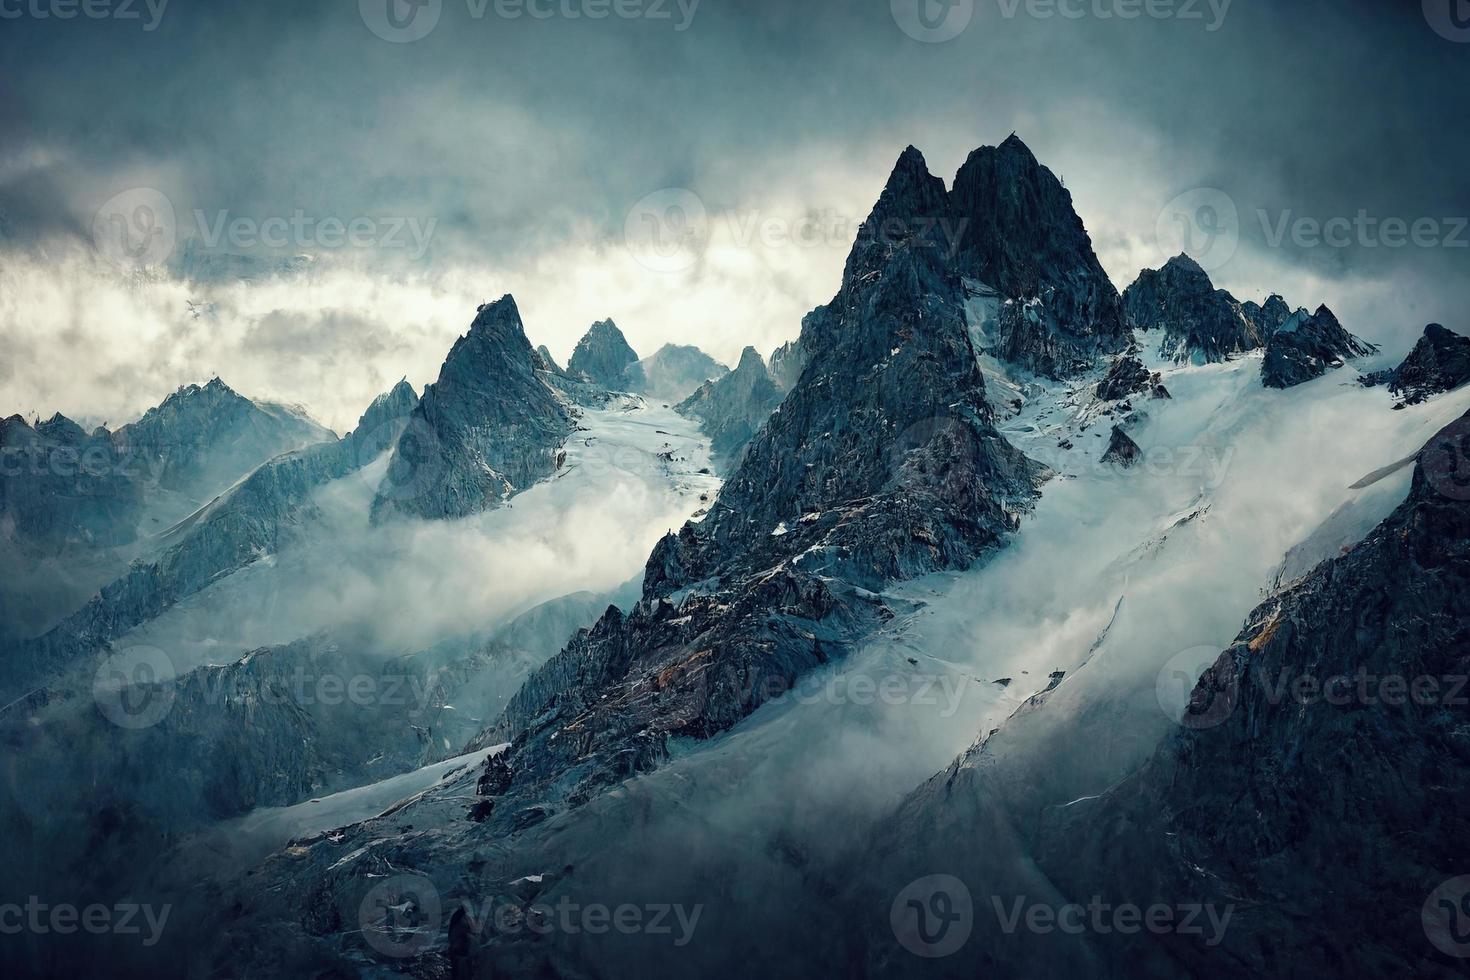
(488, 428)
(786, 364)
(1015, 230)
(62, 489)
(673, 372)
(545, 362)
(1439, 362)
(1267, 318)
(1199, 323)
(1121, 449)
(732, 409)
(603, 357)
(1128, 377)
(1306, 346)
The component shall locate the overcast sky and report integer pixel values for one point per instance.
(514, 147)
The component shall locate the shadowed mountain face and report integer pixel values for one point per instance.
(1306, 346)
(1199, 322)
(732, 408)
(603, 356)
(1439, 362)
(487, 429)
(1018, 234)
(1307, 798)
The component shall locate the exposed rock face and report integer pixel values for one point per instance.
(786, 364)
(1316, 822)
(673, 372)
(201, 439)
(603, 356)
(1306, 346)
(881, 464)
(487, 429)
(733, 408)
(61, 488)
(1128, 377)
(1016, 232)
(547, 362)
(1267, 318)
(1121, 449)
(1439, 362)
(1199, 322)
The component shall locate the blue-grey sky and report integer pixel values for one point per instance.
(526, 145)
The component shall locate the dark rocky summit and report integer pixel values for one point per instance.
(673, 372)
(1267, 318)
(1128, 377)
(487, 429)
(1015, 231)
(732, 409)
(1199, 322)
(603, 357)
(1439, 362)
(545, 362)
(1121, 449)
(1306, 346)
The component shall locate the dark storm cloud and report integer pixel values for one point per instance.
(517, 134)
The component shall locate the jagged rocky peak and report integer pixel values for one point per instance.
(547, 362)
(1128, 377)
(1121, 449)
(488, 428)
(786, 364)
(1200, 323)
(602, 356)
(912, 209)
(59, 428)
(1439, 362)
(1267, 318)
(673, 372)
(732, 408)
(383, 421)
(1306, 346)
(1018, 234)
